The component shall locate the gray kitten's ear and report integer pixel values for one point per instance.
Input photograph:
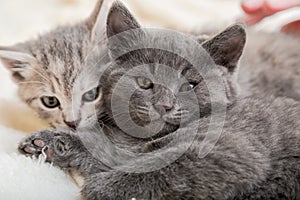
(18, 63)
(120, 19)
(97, 21)
(227, 47)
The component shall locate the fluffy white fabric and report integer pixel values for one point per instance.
(23, 178)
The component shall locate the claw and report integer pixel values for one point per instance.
(44, 152)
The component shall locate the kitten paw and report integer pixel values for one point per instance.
(54, 145)
(37, 143)
(64, 150)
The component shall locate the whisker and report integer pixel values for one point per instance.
(142, 112)
(144, 108)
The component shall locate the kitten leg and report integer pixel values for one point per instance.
(214, 177)
(64, 150)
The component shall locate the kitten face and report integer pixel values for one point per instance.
(58, 73)
(161, 88)
(158, 87)
(63, 83)
(153, 100)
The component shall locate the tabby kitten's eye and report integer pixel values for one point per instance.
(91, 95)
(187, 87)
(50, 102)
(144, 83)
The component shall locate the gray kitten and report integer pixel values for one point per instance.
(258, 146)
(58, 73)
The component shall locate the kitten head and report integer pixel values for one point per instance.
(58, 73)
(160, 87)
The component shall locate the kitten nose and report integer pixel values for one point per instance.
(73, 124)
(165, 107)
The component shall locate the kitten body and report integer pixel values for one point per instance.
(244, 164)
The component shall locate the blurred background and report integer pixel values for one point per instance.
(21, 19)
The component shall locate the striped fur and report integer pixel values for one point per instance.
(65, 63)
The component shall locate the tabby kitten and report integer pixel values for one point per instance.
(58, 73)
(242, 159)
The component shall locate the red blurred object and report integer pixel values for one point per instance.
(256, 10)
(252, 6)
(274, 6)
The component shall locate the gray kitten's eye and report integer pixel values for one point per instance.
(91, 95)
(187, 87)
(144, 83)
(50, 102)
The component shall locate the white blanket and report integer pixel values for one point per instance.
(23, 178)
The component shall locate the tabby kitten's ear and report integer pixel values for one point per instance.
(227, 47)
(17, 62)
(120, 19)
(97, 21)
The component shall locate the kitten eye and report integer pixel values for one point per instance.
(187, 87)
(50, 102)
(144, 83)
(91, 95)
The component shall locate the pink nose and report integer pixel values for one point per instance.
(73, 124)
(167, 106)
(164, 107)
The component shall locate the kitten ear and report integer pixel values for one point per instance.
(227, 47)
(18, 63)
(120, 19)
(97, 21)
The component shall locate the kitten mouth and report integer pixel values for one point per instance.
(173, 121)
(177, 118)
(174, 118)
